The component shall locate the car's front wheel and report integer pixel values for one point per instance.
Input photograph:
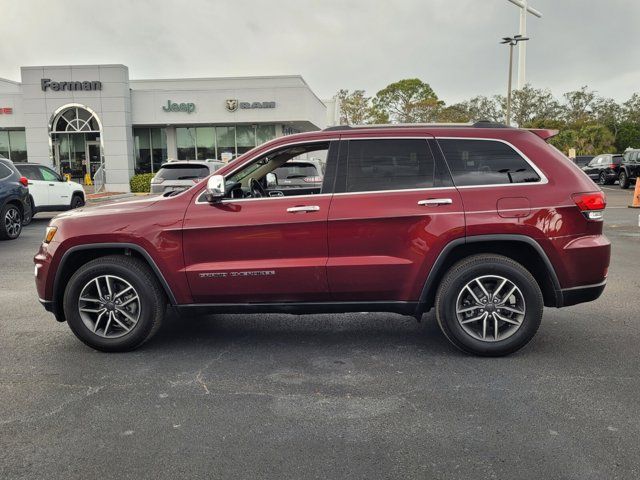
(489, 305)
(114, 303)
(77, 201)
(10, 222)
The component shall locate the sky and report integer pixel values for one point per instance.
(451, 44)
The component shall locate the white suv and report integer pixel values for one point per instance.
(48, 191)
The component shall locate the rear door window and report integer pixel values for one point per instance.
(32, 172)
(389, 164)
(183, 172)
(485, 162)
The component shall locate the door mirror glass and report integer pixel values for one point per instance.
(272, 180)
(215, 189)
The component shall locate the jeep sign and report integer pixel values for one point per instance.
(46, 84)
(179, 107)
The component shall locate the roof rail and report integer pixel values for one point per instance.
(478, 124)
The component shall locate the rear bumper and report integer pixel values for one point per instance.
(582, 294)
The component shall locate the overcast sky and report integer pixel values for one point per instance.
(451, 44)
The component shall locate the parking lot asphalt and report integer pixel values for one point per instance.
(323, 396)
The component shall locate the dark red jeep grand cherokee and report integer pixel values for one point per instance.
(484, 223)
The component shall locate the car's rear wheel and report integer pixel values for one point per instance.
(10, 222)
(624, 180)
(489, 305)
(114, 303)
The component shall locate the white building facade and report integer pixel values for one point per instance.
(92, 118)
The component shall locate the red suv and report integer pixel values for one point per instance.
(486, 224)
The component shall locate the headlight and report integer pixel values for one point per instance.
(49, 234)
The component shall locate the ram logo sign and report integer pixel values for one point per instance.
(232, 105)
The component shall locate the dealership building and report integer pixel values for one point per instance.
(83, 119)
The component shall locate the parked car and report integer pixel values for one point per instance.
(14, 200)
(48, 191)
(297, 177)
(181, 175)
(630, 168)
(604, 169)
(582, 160)
(485, 224)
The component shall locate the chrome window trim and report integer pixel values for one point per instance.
(543, 178)
(426, 137)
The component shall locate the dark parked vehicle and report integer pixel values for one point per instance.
(604, 168)
(14, 200)
(582, 160)
(485, 225)
(630, 168)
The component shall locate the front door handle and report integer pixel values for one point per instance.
(303, 208)
(434, 202)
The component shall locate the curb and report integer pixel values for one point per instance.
(107, 198)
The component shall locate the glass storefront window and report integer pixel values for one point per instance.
(205, 143)
(186, 140)
(4, 144)
(13, 145)
(158, 147)
(245, 138)
(143, 150)
(226, 142)
(264, 133)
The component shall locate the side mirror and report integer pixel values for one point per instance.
(215, 189)
(272, 180)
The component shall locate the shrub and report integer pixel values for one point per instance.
(141, 183)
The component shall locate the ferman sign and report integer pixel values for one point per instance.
(47, 84)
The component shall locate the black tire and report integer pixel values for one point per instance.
(9, 229)
(77, 201)
(141, 278)
(624, 180)
(602, 179)
(29, 211)
(466, 271)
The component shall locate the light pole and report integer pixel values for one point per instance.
(522, 49)
(512, 42)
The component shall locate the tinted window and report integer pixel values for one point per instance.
(485, 162)
(30, 171)
(183, 172)
(617, 159)
(49, 175)
(5, 171)
(389, 165)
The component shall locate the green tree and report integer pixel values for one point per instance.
(578, 106)
(354, 107)
(628, 136)
(631, 109)
(408, 101)
(530, 104)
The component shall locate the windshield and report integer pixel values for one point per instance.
(182, 172)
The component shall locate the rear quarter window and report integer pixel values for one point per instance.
(5, 171)
(485, 162)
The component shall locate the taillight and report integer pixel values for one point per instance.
(591, 204)
(613, 165)
(315, 179)
(24, 181)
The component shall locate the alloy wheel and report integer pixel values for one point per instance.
(12, 222)
(490, 308)
(109, 306)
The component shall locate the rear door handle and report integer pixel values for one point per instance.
(51, 185)
(434, 202)
(303, 208)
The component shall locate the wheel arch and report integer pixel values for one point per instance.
(525, 250)
(77, 256)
